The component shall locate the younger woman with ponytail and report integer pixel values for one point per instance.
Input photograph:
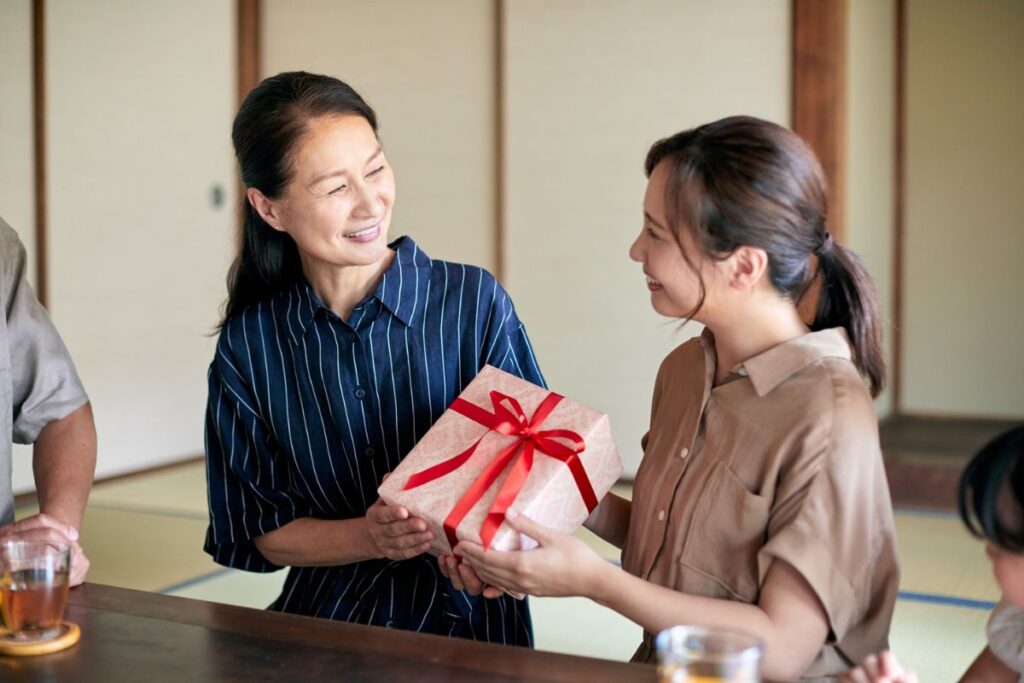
(761, 503)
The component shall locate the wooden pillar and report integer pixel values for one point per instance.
(248, 46)
(39, 143)
(819, 92)
(899, 190)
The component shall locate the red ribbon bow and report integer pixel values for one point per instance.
(512, 422)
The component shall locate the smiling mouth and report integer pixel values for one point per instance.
(362, 234)
(651, 282)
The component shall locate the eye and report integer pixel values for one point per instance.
(375, 171)
(650, 231)
(339, 189)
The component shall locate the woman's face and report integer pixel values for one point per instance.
(337, 206)
(673, 283)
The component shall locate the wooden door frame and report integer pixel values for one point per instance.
(819, 93)
(899, 206)
(39, 145)
(250, 46)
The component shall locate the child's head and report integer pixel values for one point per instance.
(744, 182)
(992, 507)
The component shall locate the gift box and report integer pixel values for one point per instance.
(505, 442)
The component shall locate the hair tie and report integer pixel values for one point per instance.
(826, 244)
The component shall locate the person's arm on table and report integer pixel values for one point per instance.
(63, 462)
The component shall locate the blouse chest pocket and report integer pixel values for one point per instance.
(728, 530)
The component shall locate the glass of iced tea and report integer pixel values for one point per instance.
(33, 588)
(691, 654)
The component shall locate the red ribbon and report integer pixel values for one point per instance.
(508, 418)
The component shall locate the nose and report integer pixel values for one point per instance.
(635, 250)
(369, 202)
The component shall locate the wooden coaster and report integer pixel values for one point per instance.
(67, 636)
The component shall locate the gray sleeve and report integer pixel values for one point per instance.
(45, 386)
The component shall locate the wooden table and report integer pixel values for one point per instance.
(148, 638)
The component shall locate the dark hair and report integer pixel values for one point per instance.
(743, 181)
(985, 507)
(269, 124)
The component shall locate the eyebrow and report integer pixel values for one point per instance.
(332, 174)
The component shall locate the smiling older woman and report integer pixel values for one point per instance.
(337, 352)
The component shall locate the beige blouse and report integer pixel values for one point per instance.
(780, 461)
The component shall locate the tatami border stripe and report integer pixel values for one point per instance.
(947, 600)
(195, 581)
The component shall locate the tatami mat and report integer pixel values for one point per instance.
(147, 532)
(141, 550)
(175, 490)
(233, 587)
(939, 642)
(939, 556)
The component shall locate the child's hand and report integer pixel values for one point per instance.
(880, 668)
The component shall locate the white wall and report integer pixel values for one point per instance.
(17, 160)
(427, 68)
(140, 100)
(870, 150)
(964, 311)
(591, 84)
(17, 167)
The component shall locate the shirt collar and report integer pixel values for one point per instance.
(399, 276)
(771, 368)
(300, 305)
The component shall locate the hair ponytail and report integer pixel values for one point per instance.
(267, 263)
(848, 300)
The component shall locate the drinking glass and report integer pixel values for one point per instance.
(33, 588)
(692, 654)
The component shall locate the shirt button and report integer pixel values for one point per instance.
(683, 453)
(369, 451)
(661, 515)
(742, 372)
(359, 393)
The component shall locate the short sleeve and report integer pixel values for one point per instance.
(506, 345)
(45, 385)
(831, 520)
(247, 478)
(1005, 632)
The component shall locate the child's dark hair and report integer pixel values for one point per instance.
(743, 181)
(992, 492)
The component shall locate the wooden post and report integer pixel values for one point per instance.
(819, 93)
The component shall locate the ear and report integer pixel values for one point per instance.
(748, 267)
(264, 207)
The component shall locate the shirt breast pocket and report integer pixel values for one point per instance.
(729, 529)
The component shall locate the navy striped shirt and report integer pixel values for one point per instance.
(307, 412)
